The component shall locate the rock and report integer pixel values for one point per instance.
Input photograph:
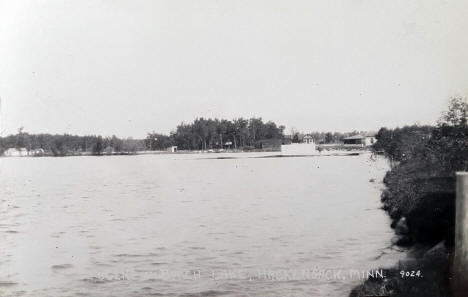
(401, 228)
(384, 196)
(394, 212)
(402, 240)
(436, 253)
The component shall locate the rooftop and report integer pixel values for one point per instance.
(355, 137)
(361, 136)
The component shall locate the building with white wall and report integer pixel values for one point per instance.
(360, 140)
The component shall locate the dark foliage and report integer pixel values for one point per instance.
(201, 134)
(421, 183)
(204, 134)
(65, 144)
(402, 143)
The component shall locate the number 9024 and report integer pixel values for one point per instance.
(412, 273)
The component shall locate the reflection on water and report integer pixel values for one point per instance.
(178, 225)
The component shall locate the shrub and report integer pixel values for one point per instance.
(421, 183)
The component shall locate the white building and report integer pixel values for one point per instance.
(37, 152)
(172, 149)
(307, 147)
(360, 140)
(308, 139)
(16, 152)
(23, 152)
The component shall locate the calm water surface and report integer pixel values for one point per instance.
(189, 225)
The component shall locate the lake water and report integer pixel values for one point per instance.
(190, 225)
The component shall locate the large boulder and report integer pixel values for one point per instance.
(401, 227)
(437, 254)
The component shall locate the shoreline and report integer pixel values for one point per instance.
(326, 151)
(423, 273)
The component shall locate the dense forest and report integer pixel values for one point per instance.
(204, 134)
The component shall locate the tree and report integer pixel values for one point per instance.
(156, 141)
(295, 138)
(456, 115)
(98, 147)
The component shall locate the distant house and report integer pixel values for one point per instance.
(16, 152)
(360, 140)
(37, 152)
(172, 149)
(308, 139)
(307, 147)
(23, 152)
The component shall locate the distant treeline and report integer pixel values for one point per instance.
(204, 134)
(201, 134)
(62, 145)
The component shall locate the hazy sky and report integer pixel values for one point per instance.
(130, 67)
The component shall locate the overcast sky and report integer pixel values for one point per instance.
(130, 67)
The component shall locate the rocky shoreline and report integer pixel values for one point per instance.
(424, 273)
